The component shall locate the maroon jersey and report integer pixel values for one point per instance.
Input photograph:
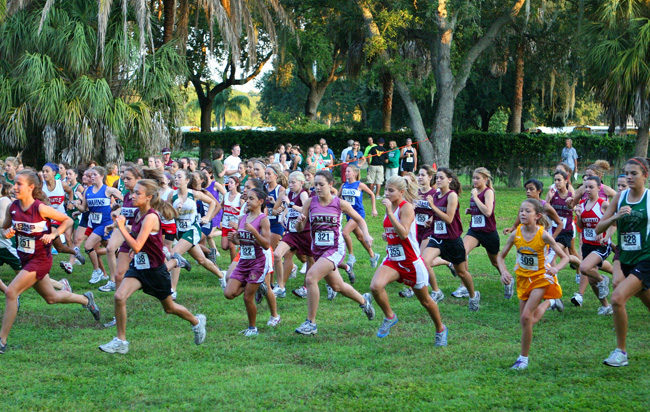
(479, 222)
(128, 210)
(293, 214)
(422, 214)
(441, 230)
(559, 204)
(151, 255)
(30, 227)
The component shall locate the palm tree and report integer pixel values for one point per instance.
(224, 103)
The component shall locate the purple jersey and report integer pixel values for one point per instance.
(151, 255)
(30, 227)
(293, 214)
(559, 204)
(326, 236)
(213, 190)
(479, 222)
(251, 254)
(128, 210)
(441, 230)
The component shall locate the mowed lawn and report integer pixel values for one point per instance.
(53, 361)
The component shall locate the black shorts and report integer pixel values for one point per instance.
(564, 239)
(155, 282)
(451, 250)
(170, 237)
(489, 240)
(10, 257)
(602, 251)
(641, 270)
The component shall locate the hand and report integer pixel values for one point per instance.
(506, 278)
(388, 204)
(577, 209)
(569, 200)
(231, 236)
(428, 222)
(474, 192)
(507, 231)
(625, 210)
(233, 224)
(8, 233)
(285, 199)
(120, 221)
(249, 227)
(46, 239)
(374, 212)
(430, 200)
(205, 220)
(300, 218)
(552, 192)
(552, 271)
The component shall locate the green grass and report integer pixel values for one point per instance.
(53, 362)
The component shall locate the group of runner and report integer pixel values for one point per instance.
(150, 219)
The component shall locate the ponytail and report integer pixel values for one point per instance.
(455, 183)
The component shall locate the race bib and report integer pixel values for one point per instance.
(421, 219)
(247, 252)
(350, 199)
(226, 219)
(324, 238)
(292, 225)
(141, 261)
(527, 261)
(439, 227)
(184, 224)
(563, 223)
(96, 218)
(409, 160)
(396, 253)
(26, 244)
(589, 233)
(631, 241)
(478, 221)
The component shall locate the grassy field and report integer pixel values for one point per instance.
(53, 362)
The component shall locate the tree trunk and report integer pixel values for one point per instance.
(169, 7)
(424, 146)
(364, 115)
(518, 95)
(443, 124)
(206, 118)
(641, 148)
(314, 97)
(514, 173)
(387, 102)
(485, 120)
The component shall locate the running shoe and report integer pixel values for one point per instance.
(66, 266)
(367, 307)
(406, 293)
(3, 348)
(174, 294)
(182, 262)
(279, 292)
(557, 304)
(331, 293)
(108, 287)
(374, 261)
(461, 292)
(77, 255)
(92, 306)
(110, 324)
(605, 310)
(303, 269)
(261, 292)
(452, 269)
(616, 358)
(441, 337)
(294, 270)
(249, 332)
(307, 328)
(104, 276)
(508, 290)
(223, 283)
(212, 255)
(520, 364)
(384, 329)
(578, 276)
(18, 303)
(199, 330)
(474, 303)
(301, 292)
(96, 276)
(273, 321)
(437, 296)
(603, 287)
(351, 260)
(577, 299)
(351, 275)
(66, 285)
(54, 252)
(116, 346)
(167, 253)
(76, 262)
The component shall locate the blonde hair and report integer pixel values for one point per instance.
(539, 209)
(151, 188)
(356, 170)
(412, 175)
(298, 175)
(281, 177)
(486, 174)
(410, 188)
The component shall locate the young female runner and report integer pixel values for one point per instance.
(536, 278)
(324, 213)
(28, 221)
(231, 207)
(560, 196)
(403, 262)
(630, 210)
(201, 184)
(597, 169)
(447, 228)
(252, 236)
(352, 192)
(148, 271)
(218, 191)
(595, 248)
(276, 183)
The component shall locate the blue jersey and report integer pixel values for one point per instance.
(99, 206)
(274, 194)
(351, 193)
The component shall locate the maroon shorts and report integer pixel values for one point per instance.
(124, 248)
(250, 271)
(299, 242)
(39, 264)
(422, 233)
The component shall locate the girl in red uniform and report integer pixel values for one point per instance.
(403, 263)
(148, 270)
(29, 219)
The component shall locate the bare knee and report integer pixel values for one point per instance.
(120, 298)
(526, 318)
(617, 300)
(170, 309)
(277, 255)
(376, 287)
(337, 287)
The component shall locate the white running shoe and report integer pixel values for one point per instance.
(520, 364)
(80, 258)
(199, 329)
(66, 285)
(222, 282)
(367, 307)
(374, 261)
(461, 292)
(605, 310)
(436, 296)
(249, 332)
(508, 290)
(273, 321)
(174, 294)
(279, 292)
(616, 358)
(307, 328)
(108, 287)
(66, 266)
(301, 292)
(110, 324)
(557, 304)
(441, 337)
(303, 269)
(96, 276)
(577, 299)
(116, 346)
(474, 303)
(168, 254)
(407, 293)
(331, 293)
(351, 260)
(294, 270)
(603, 287)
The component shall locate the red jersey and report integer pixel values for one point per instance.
(590, 219)
(398, 249)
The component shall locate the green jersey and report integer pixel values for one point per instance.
(633, 229)
(393, 159)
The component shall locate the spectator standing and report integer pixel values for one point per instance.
(231, 164)
(329, 151)
(167, 156)
(328, 159)
(376, 166)
(570, 156)
(218, 170)
(393, 156)
(409, 158)
(344, 159)
(371, 144)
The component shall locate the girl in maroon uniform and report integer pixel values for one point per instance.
(148, 270)
(29, 219)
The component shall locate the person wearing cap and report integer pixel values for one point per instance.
(378, 158)
(167, 156)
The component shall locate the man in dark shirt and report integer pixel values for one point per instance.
(378, 158)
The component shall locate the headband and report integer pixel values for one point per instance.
(644, 168)
(52, 166)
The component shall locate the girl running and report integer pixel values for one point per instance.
(536, 278)
(324, 213)
(148, 271)
(447, 228)
(231, 208)
(28, 219)
(630, 210)
(252, 236)
(168, 225)
(276, 182)
(559, 197)
(403, 263)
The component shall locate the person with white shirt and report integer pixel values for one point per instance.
(231, 164)
(344, 158)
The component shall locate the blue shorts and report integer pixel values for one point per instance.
(207, 229)
(84, 219)
(277, 228)
(99, 231)
(362, 214)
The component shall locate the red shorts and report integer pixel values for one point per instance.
(40, 264)
(168, 228)
(89, 231)
(224, 232)
(412, 274)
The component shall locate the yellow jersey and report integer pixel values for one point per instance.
(531, 255)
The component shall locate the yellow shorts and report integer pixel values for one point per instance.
(526, 284)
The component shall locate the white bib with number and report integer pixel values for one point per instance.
(26, 244)
(421, 219)
(184, 224)
(440, 227)
(141, 261)
(396, 253)
(351, 200)
(527, 261)
(292, 226)
(631, 241)
(409, 160)
(589, 233)
(478, 221)
(226, 219)
(563, 223)
(247, 252)
(324, 238)
(95, 218)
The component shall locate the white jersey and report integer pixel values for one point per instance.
(56, 196)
